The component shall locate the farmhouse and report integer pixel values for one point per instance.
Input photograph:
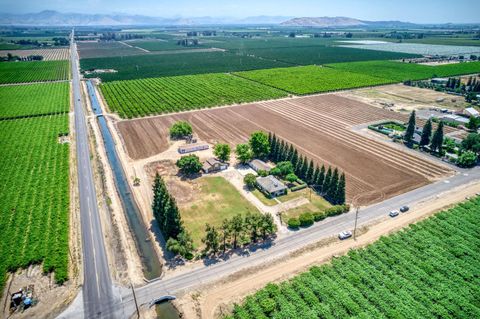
(271, 186)
(212, 165)
(470, 111)
(188, 148)
(259, 165)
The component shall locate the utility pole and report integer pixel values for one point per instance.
(135, 299)
(355, 228)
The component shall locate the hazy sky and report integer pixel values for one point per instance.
(421, 11)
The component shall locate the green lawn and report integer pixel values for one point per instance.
(263, 198)
(396, 127)
(218, 199)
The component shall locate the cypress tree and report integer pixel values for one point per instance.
(295, 159)
(290, 153)
(408, 137)
(273, 148)
(437, 139)
(320, 179)
(310, 178)
(270, 137)
(303, 170)
(332, 187)
(281, 151)
(340, 196)
(315, 175)
(298, 168)
(326, 181)
(426, 133)
(173, 222)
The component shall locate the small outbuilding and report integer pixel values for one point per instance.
(212, 165)
(271, 186)
(470, 111)
(259, 165)
(455, 119)
(189, 148)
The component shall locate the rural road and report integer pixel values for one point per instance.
(98, 293)
(97, 287)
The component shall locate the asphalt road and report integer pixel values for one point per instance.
(97, 287)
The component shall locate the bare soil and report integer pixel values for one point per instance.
(215, 300)
(319, 126)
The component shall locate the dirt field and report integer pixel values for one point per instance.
(320, 127)
(405, 98)
(48, 54)
(217, 299)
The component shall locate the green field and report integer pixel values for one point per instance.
(143, 97)
(34, 195)
(160, 45)
(34, 99)
(322, 54)
(399, 71)
(218, 200)
(311, 79)
(34, 71)
(429, 270)
(157, 65)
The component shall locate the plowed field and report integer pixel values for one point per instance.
(320, 127)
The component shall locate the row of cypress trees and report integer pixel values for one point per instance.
(328, 182)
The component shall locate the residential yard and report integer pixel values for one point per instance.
(263, 198)
(216, 200)
(317, 203)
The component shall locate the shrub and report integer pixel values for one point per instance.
(297, 188)
(250, 180)
(262, 173)
(318, 216)
(336, 210)
(306, 219)
(275, 171)
(292, 178)
(293, 223)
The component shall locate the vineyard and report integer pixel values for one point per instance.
(429, 270)
(35, 71)
(312, 79)
(34, 99)
(48, 54)
(399, 71)
(162, 45)
(157, 65)
(34, 195)
(143, 97)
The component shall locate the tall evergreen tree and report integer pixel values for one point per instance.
(310, 178)
(298, 168)
(304, 168)
(294, 159)
(270, 138)
(340, 196)
(326, 181)
(315, 175)
(408, 137)
(332, 187)
(289, 152)
(273, 148)
(426, 133)
(173, 222)
(320, 179)
(225, 234)
(437, 139)
(211, 239)
(281, 151)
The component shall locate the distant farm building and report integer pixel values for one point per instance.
(212, 165)
(259, 165)
(271, 186)
(470, 111)
(455, 119)
(189, 148)
(442, 81)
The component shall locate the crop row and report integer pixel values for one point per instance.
(34, 71)
(173, 94)
(430, 270)
(34, 195)
(34, 99)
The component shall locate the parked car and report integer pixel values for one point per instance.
(404, 209)
(345, 234)
(393, 213)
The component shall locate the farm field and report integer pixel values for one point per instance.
(399, 71)
(34, 195)
(158, 65)
(34, 99)
(428, 270)
(323, 54)
(312, 79)
(162, 45)
(48, 54)
(135, 98)
(34, 71)
(105, 49)
(319, 126)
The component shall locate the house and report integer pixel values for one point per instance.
(455, 119)
(470, 111)
(259, 165)
(271, 186)
(212, 165)
(188, 148)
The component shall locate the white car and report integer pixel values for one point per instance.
(345, 234)
(393, 213)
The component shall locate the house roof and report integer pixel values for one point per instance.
(259, 164)
(209, 163)
(270, 184)
(472, 111)
(192, 146)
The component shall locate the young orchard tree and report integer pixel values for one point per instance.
(408, 137)
(244, 153)
(426, 133)
(222, 152)
(259, 144)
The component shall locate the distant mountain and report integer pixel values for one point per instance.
(55, 18)
(338, 22)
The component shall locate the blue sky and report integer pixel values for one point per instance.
(420, 11)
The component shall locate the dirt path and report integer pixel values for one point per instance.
(216, 299)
